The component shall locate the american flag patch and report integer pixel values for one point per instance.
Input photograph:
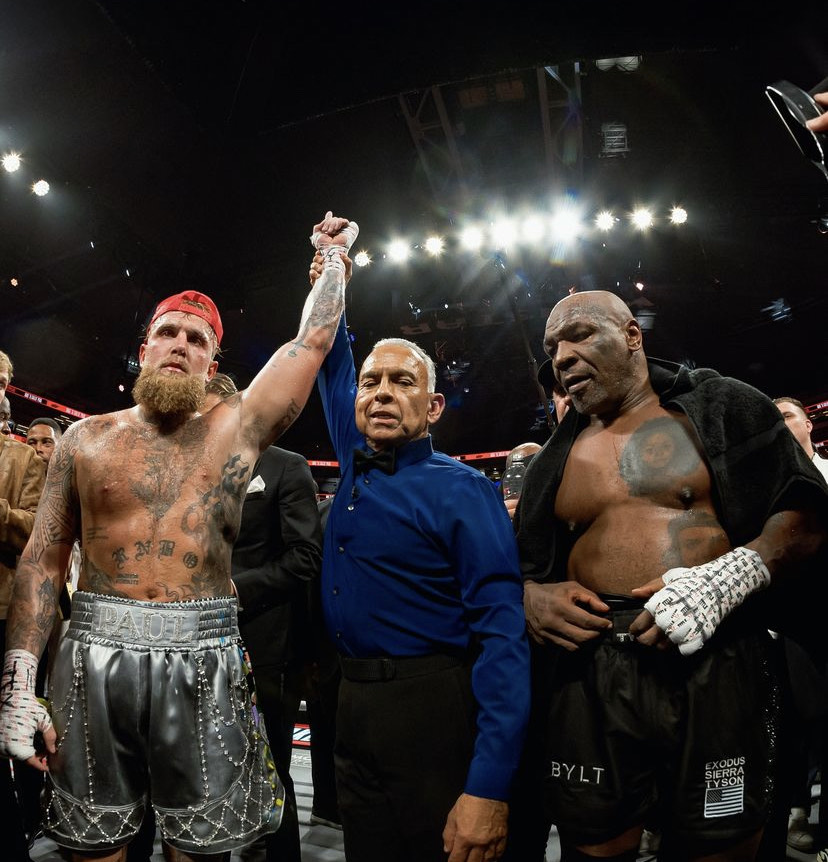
(721, 801)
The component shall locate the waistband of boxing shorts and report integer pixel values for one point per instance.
(622, 611)
(385, 668)
(119, 621)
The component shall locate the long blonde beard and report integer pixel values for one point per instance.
(168, 394)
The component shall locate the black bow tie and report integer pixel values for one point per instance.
(384, 460)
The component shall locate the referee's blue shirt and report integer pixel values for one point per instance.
(424, 561)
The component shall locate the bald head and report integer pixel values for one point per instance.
(598, 304)
(595, 344)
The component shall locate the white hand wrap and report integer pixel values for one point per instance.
(694, 601)
(322, 240)
(21, 713)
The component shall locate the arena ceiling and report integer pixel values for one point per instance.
(197, 142)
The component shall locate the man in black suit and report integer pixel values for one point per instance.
(277, 554)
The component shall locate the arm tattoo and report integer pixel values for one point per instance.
(31, 619)
(57, 511)
(322, 309)
(40, 573)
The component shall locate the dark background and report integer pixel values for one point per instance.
(195, 143)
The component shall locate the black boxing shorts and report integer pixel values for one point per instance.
(633, 731)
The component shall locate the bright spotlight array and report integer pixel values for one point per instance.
(562, 227)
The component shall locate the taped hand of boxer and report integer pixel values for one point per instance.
(334, 231)
(22, 715)
(694, 601)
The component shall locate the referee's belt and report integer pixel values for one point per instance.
(386, 668)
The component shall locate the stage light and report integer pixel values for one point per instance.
(362, 258)
(11, 162)
(503, 234)
(398, 250)
(678, 215)
(533, 229)
(566, 225)
(14, 282)
(40, 188)
(642, 219)
(605, 220)
(471, 238)
(434, 246)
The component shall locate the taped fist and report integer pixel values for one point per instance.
(334, 231)
(694, 601)
(21, 713)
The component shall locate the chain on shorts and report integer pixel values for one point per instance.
(152, 703)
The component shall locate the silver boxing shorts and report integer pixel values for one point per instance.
(152, 704)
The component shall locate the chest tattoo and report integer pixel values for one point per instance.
(659, 457)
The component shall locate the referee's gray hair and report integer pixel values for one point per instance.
(431, 368)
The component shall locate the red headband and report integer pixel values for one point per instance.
(191, 302)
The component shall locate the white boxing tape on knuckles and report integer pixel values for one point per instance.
(329, 228)
(21, 713)
(694, 601)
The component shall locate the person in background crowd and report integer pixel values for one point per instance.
(523, 453)
(808, 703)
(6, 425)
(801, 426)
(43, 436)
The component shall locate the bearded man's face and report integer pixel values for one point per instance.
(168, 394)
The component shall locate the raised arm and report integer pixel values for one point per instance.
(33, 608)
(280, 390)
